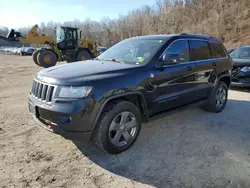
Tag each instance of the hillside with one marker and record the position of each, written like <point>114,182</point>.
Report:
<point>228,20</point>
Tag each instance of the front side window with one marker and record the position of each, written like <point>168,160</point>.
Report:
<point>199,50</point>
<point>241,53</point>
<point>60,35</point>
<point>177,51</point>
<point>133,51</point>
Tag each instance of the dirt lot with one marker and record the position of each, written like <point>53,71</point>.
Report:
<point>189,149</point>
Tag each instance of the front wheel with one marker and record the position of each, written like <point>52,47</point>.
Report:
<point>46,58</point>
<point>34,56</point>
<point>118,127</point>
<point>218,98</point>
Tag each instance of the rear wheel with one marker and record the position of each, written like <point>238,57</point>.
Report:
<point>83,55</point>
<point>118,127</point>
<point>218,98</point>
<point>47,58</point>
<point>34,56</point>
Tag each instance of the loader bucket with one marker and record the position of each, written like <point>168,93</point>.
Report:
<point>13,34</point>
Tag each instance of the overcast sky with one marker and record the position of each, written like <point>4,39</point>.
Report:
<point>20,13</point>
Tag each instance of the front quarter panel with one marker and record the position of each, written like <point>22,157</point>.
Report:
<point>133,83</point>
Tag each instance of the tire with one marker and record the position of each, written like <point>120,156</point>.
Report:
<point>47,58</point>
<point>107,133</point>
<point>212,103</point>
<point>34,56</point>
<point>83,55</point>
<point>69,59</point>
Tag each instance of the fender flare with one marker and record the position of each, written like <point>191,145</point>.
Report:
<point>220,77</point>
<point>225,75</point>
<point>142,98</point>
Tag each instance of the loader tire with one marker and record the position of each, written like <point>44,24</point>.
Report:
<point>34,56</point>
<point>83,55</point>
<point>47,58</point>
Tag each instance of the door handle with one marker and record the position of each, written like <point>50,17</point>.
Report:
<point>190,68</point>
<point>214,64</point>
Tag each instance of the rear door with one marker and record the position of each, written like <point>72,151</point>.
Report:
<point>205,66</point>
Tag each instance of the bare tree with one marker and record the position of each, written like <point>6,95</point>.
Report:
<point>226,19</point>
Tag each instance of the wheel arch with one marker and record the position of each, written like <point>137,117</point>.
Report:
<point>227,79</point>
<point>135,97</point>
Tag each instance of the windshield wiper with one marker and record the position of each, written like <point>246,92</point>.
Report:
<point>114,60</point>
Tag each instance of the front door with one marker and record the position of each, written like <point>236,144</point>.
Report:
<point>71,38</point>
<point>173,82</point>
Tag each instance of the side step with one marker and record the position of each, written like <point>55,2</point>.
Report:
<point>178,109</point>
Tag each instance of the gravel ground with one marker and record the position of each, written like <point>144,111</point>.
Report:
<point>192,148</point>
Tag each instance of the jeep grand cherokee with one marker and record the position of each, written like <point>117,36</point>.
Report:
<point>106,99</point>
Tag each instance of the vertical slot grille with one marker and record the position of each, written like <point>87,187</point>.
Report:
<point>42,91</point>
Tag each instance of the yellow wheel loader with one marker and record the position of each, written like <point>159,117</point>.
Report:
<point>69,46</point>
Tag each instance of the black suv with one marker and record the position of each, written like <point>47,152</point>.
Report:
<point>107,98</point>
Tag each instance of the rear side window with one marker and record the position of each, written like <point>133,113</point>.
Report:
<point>216,50</point>
<point>199,50</point>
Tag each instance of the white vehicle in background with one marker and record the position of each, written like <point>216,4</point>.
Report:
<point>13,50</point>
<point>27,51</point>
<point>18,51</point>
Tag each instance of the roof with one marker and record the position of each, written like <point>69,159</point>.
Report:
<point>67,27</point>
<point>182,35</point>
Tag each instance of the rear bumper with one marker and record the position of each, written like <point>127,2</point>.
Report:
<point>57,129</point>
<point>240,84</point>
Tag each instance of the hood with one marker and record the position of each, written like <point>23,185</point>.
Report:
<point>72,73</point>
<point>241,62</point>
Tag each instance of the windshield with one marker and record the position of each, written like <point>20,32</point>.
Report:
<point>60,35</point>
<point>241,53</point>
<point>134,51</point>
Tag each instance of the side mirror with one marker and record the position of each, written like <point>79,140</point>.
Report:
<point>170,59</point>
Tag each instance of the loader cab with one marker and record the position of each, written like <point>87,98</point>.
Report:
<point>66,38</point>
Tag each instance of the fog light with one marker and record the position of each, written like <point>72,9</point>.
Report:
<point>65,119</point>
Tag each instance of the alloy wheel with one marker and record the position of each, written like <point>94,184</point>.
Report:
<point>221,97</point>
<point>123,128</point>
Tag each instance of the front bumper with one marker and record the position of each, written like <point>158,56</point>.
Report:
<point>57,129</point>
<point>64,119</point>
<point>240,83</point>
<point>240,78</point>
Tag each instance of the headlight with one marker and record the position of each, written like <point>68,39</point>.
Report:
<point>74,92</point>
<point>245,69</point>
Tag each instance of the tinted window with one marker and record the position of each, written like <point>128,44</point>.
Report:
<point>179,48</point>
<point>216,50</point>
<point>133,51</point>
<point>241,53</point>
<point>199,50</point>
